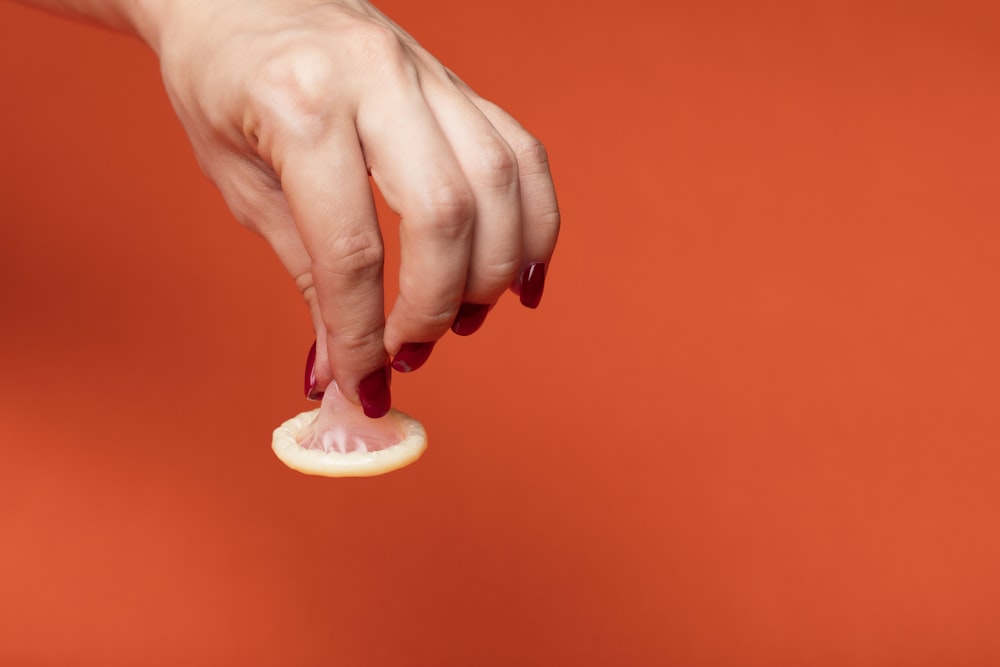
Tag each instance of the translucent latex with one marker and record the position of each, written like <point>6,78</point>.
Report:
<point>339,440</point>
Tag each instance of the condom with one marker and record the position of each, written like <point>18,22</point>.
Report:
<point>338,440</point>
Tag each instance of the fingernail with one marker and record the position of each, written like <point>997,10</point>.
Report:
<point>532,284</point>
<point>470,317</point>
<point>412,356</point>
<point>311,393</point>
<point>373,391</point>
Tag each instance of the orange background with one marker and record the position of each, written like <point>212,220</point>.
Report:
<point>754,422</point>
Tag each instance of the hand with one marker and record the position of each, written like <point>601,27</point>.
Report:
<point>292,105</point>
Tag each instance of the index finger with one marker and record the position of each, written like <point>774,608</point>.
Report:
<point>327,188</point>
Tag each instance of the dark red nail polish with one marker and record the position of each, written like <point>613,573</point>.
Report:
<point>373,391</point>
<point>470,317</point>
<point>532,284</point>
<point>311,392</point>
<point>412,356</point>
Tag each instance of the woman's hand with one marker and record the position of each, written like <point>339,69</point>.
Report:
<point>291,105</point>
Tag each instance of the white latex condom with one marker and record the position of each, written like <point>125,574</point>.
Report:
<point>338,440</point>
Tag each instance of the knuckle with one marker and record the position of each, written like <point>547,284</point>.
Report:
<point>531,154</point>
<point>379,38</point>
<point>353,254</point>
<point>307,288</point>
<point>548,220</point>
<point>496,165</point>
<point>293,85</point>
<point>378,44</point>
<point>447,212</point>
<point>488,280</point>
<point>500,272</point>
<point>358,344</point>
<point>433,315</point>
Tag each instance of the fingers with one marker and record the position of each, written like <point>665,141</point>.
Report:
<point>336,95</point>
<point>491,168</point>
<point>327,189</point>
<point>478,216</point>
<point>413,163</point>
<point>538,206</point>
<point>256,199</point>
<point>464,157</point>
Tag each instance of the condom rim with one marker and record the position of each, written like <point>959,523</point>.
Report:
<point>285,445</point>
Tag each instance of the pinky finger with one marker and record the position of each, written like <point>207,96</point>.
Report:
<point>539,206</point>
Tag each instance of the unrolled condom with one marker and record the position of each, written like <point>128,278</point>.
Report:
<point>338,440</point>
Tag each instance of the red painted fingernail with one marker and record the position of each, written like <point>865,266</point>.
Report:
<point>311,392</point>
<point>470,317</point>
<point>412,356</point>
<point>373,391</point>
<point>532,284</point>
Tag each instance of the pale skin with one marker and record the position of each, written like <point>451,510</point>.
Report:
<point>291,105</point>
